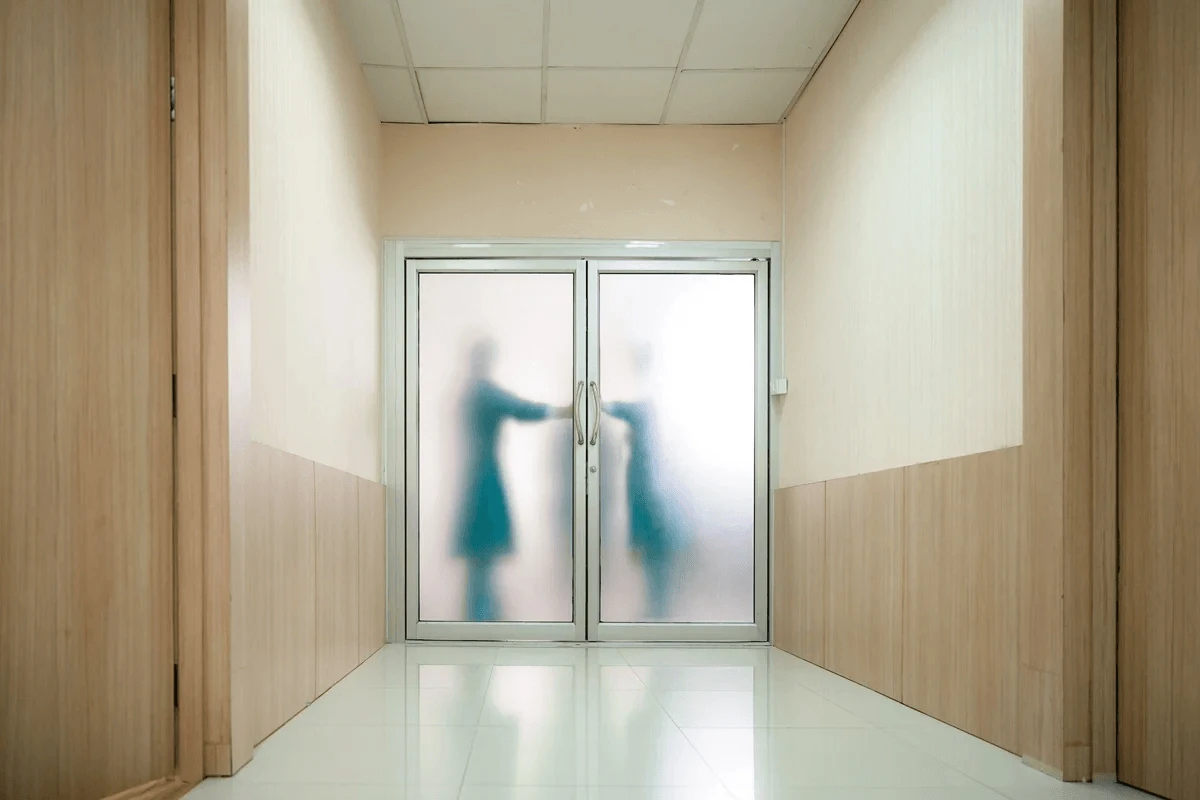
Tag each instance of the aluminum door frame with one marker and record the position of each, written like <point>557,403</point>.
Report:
<point>417,629</point>
<point>756,631</point>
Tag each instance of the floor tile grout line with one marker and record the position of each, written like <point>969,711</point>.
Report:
<point>475,728</point>
<point>955,768</point>
<point>728,789</point>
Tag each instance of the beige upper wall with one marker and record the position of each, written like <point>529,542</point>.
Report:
<point>588,182</point>
<point>903,242</point>
<point>314,166</point>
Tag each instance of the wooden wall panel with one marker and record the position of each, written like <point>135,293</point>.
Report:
<point>315,540</point>
<point>1181,363</point>
<point>237,239</point>
<point>960,607</point>
<point>189,452</point>
<point>214,291</point>
<point>337,591</point>
<point>1077,155</point>
<point>372,572</point>
<point>1041,546</point>
<point>1159,424</point>
<point>1104,389</point>
<point>86,495</point>
<point>799,603</point>
<point>281,591</point>
<point>864,553</point>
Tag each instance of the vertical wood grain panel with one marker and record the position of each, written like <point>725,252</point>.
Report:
<point>281,596</point>
<point>215,387</point>
<point>237,197</point>
<point>1077,532</point>
<point>799,603</point>
<point>372,600</point>
<point>960,608</point>
<point>86,495</point>
<point>1039,718</point>
<point>1041,546</point>
<point>225,378</point>
<point>864,551</point>
<point>1149,443</point>
<point>1104,388</point>
<point>1185,278</point>
<point>337,575</point>
<point>1159,424</point>
<point>189,454</point>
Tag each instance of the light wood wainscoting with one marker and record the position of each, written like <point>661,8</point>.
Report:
<point>314,581</point>
<point>916,570</point>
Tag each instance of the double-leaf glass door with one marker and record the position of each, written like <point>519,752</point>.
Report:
<point>586,449</point>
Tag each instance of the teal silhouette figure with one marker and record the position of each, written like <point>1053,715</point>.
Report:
<point>654,524</point>
<point>485,530</point>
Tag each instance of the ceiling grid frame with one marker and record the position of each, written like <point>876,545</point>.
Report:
<point>408,60</point>
<point>687,44</point>
<point>672,62</point>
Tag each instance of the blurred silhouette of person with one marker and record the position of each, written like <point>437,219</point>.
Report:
<point>564,490</point>
<point>654,534</point>
<point>485,524</point>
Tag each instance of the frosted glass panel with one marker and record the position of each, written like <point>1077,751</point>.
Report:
<point>495,374</point>
<point>677,355</point>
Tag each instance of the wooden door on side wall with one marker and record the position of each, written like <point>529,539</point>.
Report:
<point>1159,396</point>
<point>86,494</point>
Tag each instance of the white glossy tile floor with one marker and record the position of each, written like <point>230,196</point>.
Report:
<point>601,723</point>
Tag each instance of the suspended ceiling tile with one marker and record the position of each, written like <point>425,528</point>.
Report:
<point>630,96</point>
<point>618,33</point>
<point>473,33</point>
<point>733,97</point>
<point>482,95</point>
<point>371,25</point>
<point>755,34</point>
<point>395,100</point>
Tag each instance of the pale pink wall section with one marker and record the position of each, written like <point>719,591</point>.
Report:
<point>586,182</point>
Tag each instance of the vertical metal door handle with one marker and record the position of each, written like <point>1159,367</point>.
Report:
<point>578,424</point>
<point>596,424</point>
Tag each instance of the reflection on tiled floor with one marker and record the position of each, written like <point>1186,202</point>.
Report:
<point>601,723</point>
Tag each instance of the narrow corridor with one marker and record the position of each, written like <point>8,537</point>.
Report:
<point>601,723</point>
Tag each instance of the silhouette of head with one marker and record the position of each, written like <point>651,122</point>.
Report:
<point>483,357</point>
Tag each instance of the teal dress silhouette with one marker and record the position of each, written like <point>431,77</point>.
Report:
<point>485,523</point>
<point>653,526</point>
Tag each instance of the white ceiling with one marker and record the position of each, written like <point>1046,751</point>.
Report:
<point>616,61</point>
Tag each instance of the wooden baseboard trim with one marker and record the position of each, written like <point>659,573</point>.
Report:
<point>1032,762</point>
<point>161,789</point>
